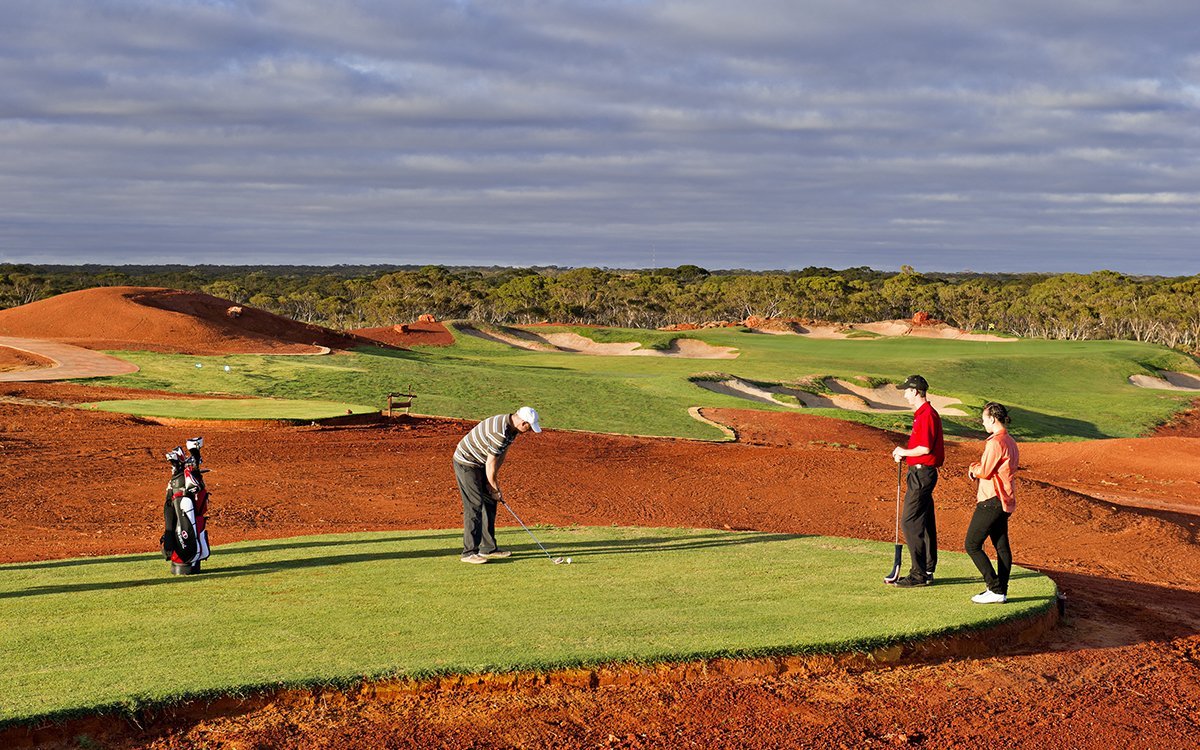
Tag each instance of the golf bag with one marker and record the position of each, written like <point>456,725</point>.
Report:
<point>185,536</point>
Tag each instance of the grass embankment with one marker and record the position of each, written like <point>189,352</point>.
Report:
<point>1055,389</point>
<point>225,408</point>
<point>120,632</point>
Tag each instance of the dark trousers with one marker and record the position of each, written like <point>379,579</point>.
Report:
<point>919,522</point>
<point>990,521</point>
<point>479,509</point>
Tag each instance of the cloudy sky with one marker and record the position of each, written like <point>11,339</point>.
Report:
<point>948,135</point>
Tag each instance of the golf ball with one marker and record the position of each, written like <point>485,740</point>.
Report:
<point>568,561</point>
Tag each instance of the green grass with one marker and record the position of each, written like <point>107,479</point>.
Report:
<point>115,633</point>
<point>1055,390</point>
<point>224,408</point>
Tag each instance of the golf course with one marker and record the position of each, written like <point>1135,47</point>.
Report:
<point>1056,390</point>
<point>723,496</point>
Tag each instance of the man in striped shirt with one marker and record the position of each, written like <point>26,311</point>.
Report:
<point>477,461</point>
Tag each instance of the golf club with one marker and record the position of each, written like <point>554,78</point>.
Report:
<point>555,560</point>
<point>895,574</point>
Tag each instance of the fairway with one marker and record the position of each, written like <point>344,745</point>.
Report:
<point>115,633</point>
<point>1055,390</point>
<point>232,408</point>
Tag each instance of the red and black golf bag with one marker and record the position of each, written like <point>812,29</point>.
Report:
<point>185,538</point>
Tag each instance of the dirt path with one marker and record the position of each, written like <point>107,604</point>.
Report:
<point>69,361</point>
<point>1120,673</point>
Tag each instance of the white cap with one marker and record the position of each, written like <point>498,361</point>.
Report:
<point>528,414</point>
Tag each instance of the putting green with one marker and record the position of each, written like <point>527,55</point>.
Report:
<point>115,633</point>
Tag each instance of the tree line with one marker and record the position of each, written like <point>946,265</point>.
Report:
<point>1099,305</point>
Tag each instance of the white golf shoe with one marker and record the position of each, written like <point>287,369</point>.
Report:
<point>989,597</point>
<point>474,559</point>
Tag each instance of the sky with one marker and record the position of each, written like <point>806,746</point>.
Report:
<point>948,135</point>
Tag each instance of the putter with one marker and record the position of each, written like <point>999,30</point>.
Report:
<point>555,560</point>
<point>895,574</point>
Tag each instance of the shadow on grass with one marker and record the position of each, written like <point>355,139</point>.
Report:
<point>1037,425</point>
<point>649,545</point>
<point>641,545</point>
<point>939,581</point>
<point>222,551</point>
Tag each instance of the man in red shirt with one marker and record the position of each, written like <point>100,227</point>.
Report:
<point>925,452</point>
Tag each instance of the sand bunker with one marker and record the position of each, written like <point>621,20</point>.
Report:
<point>1167,380</point>
<point>567,341</point>
<point>879,328</point>
<point>166,320</point>
<point>844,395</point>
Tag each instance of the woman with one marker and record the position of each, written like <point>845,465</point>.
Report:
<point>994,504</point>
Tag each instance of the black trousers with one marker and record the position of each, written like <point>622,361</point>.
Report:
<point>479,509</point>
<point>919,522</point>
<point>990,522</point>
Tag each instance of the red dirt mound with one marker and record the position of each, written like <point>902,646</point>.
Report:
<point>165,320</point>
<point>421,333</point>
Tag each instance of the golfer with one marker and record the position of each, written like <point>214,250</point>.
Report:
<point>994,504</point>
<point>477,461</point>
<point>925,452</point>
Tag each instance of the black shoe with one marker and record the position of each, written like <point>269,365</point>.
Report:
<point>908,582</point>
<point>929,578</point>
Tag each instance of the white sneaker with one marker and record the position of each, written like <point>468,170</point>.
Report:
<point>989,597</point>
<point>474,558</point>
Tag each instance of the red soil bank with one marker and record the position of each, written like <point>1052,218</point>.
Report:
<point>165,320</point>
<point>409,334</point>
<point>1120,673</point>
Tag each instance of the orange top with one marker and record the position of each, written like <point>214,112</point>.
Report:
<point>997,469</point>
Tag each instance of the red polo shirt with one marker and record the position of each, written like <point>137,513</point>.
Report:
<point>927,431</point>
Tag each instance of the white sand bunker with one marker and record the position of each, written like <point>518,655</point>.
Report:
<point>843,395</point>
<point>566,341</point>
<point>882,328</point>
<point>1167,380</point>
<point>510,336</point>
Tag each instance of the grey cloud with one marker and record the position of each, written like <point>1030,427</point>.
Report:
<point>760,134</point>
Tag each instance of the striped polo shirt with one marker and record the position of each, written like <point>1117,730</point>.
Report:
<point>491,437</point>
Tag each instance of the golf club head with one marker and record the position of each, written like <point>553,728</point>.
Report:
<point>562,561</point>
<point>895,574</point>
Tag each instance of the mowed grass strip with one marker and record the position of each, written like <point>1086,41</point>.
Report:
<point>232,408</point>
<point>115,633</point>
<point>1055,390</point>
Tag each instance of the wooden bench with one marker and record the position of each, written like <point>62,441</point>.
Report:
<point>400,401</point>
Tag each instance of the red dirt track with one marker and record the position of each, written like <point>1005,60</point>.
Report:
<point>15,359</point>
<point>1122,671</point>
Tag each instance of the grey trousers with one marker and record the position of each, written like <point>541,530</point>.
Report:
<point>919,521</point>
<point>479,510</point>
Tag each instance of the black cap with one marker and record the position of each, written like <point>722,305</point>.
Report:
<point>915,381</point>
